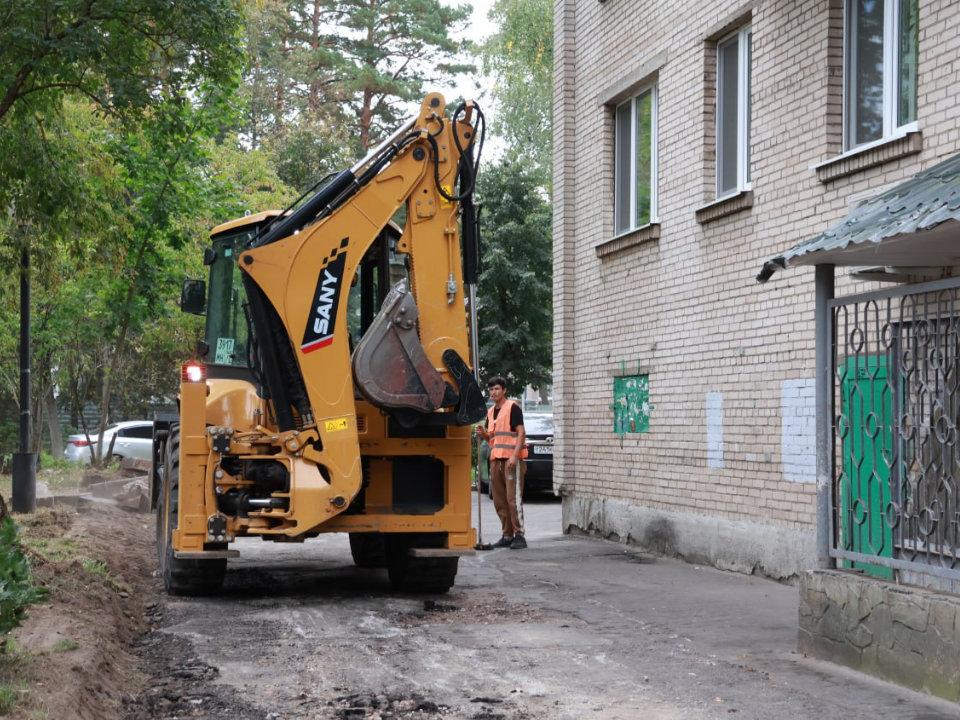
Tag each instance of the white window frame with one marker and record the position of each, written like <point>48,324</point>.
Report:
<point>632,170</point>
<point>744,38</point>
<point>891,77</point>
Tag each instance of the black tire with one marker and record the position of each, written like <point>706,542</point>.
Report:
<point>181,577</point>
<point>410,574</point>
<point>368,550</point>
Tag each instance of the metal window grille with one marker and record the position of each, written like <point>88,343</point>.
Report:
<point>895,403</point>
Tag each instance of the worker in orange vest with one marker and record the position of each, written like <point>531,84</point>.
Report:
<point>508,448</point>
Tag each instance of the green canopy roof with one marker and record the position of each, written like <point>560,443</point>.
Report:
<point>915,224</point>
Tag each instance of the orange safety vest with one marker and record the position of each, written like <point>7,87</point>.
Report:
<point>504,441</point>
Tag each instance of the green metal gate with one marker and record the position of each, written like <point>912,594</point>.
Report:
<point>866,432</point>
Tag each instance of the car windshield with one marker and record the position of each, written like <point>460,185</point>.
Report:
<point>538,424</point>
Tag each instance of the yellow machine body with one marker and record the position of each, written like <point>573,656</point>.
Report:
<point>344,464</point>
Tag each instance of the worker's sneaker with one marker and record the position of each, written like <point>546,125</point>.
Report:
<point>504,542</point>
<point>518,543</point>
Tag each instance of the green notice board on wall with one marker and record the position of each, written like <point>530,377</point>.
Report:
<point>631,404</point>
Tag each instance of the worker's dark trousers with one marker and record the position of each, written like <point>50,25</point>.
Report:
<point>508,495</point>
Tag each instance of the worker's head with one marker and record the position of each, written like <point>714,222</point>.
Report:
<point>497,387</point>
<point>497,380</point>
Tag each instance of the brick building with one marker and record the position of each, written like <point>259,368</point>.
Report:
<point>693,141</point>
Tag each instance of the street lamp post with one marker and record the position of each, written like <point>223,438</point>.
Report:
<point>25,462</point>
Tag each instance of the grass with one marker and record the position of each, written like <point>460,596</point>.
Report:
<point>8,699</point>
<point>65,645</point>
<point>58,558</point>
<point>15,668</point>
<point>57,474</point>
<point>98,568</point>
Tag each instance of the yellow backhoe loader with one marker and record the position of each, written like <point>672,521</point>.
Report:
<point>334,390</point>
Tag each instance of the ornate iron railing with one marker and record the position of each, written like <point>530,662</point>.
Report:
<point>896,450</point>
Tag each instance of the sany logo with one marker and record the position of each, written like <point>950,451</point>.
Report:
<point>322,322</point>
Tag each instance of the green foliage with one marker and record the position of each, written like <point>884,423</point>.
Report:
<point>104,113</point>
<point>515,289</point>
<point>50,463</point>
<point>16,591</point>
<point>519,56</point>
<point>309,151</point>
<point>126,55</point>
<point>9,429</point>
<point>252,181</point>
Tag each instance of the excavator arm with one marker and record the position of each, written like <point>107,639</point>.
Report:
<point>412,362</point>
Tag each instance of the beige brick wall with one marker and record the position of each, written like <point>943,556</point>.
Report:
<point>686,306</point>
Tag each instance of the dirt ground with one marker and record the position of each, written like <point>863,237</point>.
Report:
<point>96,650</point>
<point>78,648</point>
<point>571,628</point>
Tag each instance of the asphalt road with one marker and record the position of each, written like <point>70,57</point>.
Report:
<point>569,628</point>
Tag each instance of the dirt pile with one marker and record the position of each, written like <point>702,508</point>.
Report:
<point>76,648</point>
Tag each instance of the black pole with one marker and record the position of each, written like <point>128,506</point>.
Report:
<point>25,462</point>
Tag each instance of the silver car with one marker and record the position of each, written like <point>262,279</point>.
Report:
<point>134,439</point>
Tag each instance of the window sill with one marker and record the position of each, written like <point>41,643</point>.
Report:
<point>725,206</point>
<point>632,238</point>
<point>862,158</point>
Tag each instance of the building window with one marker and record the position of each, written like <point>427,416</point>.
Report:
<point>880,68</point>
<point>635,175</point>
<point>733,113</point>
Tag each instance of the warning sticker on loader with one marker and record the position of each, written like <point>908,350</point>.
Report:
<point>335,425</point>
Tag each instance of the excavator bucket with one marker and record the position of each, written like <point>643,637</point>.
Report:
<point>390,368</point>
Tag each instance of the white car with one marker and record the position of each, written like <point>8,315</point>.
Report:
<point>134,439</point>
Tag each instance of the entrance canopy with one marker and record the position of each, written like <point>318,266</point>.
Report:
<point>913,225</point>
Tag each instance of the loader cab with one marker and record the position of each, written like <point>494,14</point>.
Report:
<point>227,331</point>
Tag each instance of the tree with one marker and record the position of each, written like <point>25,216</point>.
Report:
<point>59,191</point>
<point>160,73</point>
<point>394,47</point>
<point>519,56</point>
<point>305,153</point>
<point>515,289</point>
<point>115,52</point>
<point>295,63</point>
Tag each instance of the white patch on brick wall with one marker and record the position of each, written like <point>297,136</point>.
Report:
<point>715,430</point>
<point>798,430</point>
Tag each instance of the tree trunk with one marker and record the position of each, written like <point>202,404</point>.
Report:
<point>366,119</point>
<point>314,100</point>
<point>36,439</point>
<point>53,422</point>
<point>366,111</point>
<point>280,89</point>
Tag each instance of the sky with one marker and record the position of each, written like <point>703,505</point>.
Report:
<point>471,86</point>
